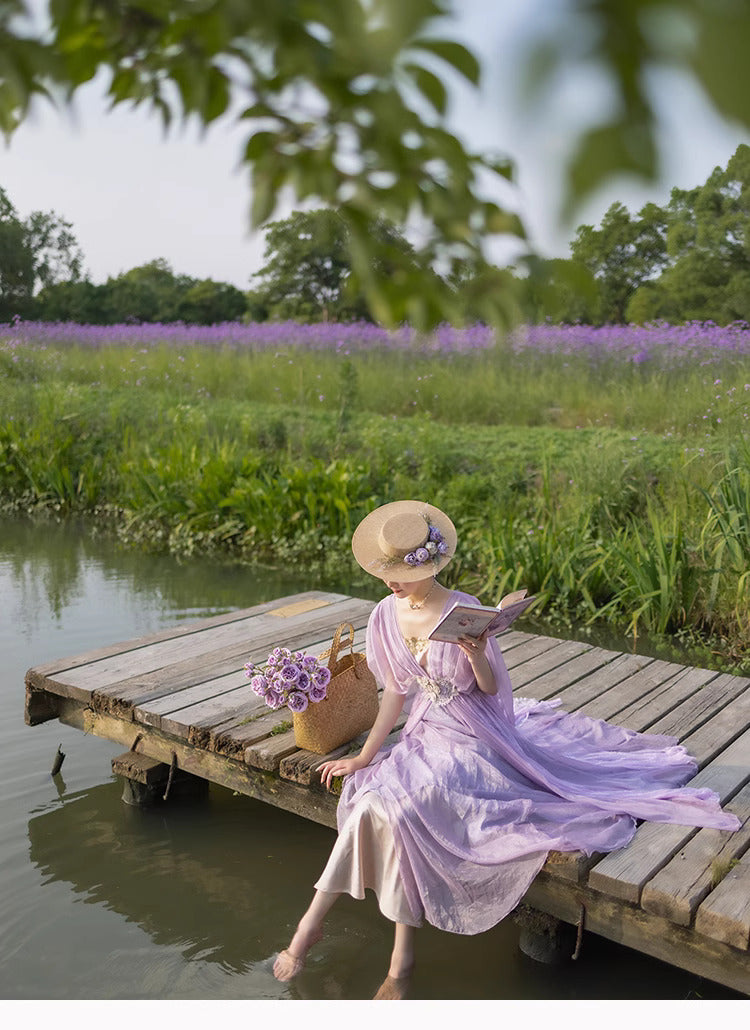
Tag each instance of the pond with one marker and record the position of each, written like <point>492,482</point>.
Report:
<point>99,900</point>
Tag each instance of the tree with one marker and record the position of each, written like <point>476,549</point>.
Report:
<point>16,262</point>
<point>621,254</point>
<point>708,245</point>
<point>346,102</point>
<point>309,271</point>
<point>57,256</point>
<point>208,302</point>
<point>147,293</point>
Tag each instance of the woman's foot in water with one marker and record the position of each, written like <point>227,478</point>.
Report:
<point>290,962</point>
<point>396,985</point>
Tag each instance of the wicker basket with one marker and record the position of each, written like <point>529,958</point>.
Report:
<point>351,705</point>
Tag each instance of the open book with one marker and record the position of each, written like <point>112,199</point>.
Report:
<point>472,620</point>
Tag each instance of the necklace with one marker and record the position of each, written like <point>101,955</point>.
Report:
<point>420,604</point>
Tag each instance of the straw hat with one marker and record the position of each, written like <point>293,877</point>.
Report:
<point>404,541</point>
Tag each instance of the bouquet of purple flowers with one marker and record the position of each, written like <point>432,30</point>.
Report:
<point>289,678</point>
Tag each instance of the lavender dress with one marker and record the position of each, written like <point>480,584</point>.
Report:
<point>452,823</point>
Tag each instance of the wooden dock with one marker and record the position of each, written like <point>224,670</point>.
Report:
<point>676,893</point>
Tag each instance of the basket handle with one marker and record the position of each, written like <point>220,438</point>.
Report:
<point>333,650</point>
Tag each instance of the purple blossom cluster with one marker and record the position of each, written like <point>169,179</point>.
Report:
<point>290,678</point>
<point>638,344</point>
<point>434,547</point>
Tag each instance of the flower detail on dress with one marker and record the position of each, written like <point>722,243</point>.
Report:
<point>440,691</point>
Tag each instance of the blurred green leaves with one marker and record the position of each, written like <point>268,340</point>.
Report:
<point>346,101</point>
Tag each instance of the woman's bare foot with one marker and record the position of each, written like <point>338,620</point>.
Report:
<point>393,988</point>
<point>290,962</point>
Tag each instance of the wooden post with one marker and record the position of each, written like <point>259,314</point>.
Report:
<point>147,781</point>
<point>543,937</point>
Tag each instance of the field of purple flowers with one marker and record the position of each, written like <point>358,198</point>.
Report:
<point>607,470</point>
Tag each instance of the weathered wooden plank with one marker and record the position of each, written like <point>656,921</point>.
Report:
<point>527,650</point>
<point>678,889</point>
<point>706,702</point>
<point>584,691</point>
<point>303,766</point>
<point>199,677</point>
<point>136,766</point>
<point>552,683</point>
<point>659,704</point>
<point>48,669</point>
<point>562,654</point>
<point>229,699</point>
<point>725,914</point>
<point>572,866</point>
<point>39,706</point>
<point>319,806</point>
<point>610,703</point>
<point>623,873</point>
<point>713,735</point>
<point>267,753</point>
<point>630,925</point>
<point>149,657</point>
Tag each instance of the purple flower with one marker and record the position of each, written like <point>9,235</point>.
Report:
<point>303,680</point>
<point>422,555</point>
<point>322,676</point>
<point>273,699</point>
<point>442,547</point>
<point>297,701</point>
<point>259,685</point>
<point>411,558</point>
<point>290,673</point>
<point>435,535</point>
<point>310,663</point>
<point>317,692</point>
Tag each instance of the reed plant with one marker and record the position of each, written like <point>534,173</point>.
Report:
<point>616,489</point>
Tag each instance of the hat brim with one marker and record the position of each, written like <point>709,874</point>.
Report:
<point>369,556</point>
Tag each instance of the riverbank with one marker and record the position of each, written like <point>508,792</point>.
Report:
<point>616,489</point>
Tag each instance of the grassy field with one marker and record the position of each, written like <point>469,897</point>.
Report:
<point>608,471</point>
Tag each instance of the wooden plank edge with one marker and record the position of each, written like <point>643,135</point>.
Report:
<point>122,646</point>
<point>264,786</point>
<point>626,924</point>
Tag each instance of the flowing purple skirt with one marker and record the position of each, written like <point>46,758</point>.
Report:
<point>452,826</point>
<point>452,823</point>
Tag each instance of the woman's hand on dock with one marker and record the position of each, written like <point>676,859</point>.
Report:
<point>340,767</point>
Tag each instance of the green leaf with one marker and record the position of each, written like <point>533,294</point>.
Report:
<point>455,54</point>
<point>430,86</point>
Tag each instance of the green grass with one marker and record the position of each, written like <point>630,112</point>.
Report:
<point>602,488</point>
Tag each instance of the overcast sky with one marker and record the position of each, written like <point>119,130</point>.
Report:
<point>134,194</point>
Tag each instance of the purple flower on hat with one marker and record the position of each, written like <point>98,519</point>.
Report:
<point>422,555</point>
<point>435,535</point>
<point>297,701</point>
<point>442,547</point>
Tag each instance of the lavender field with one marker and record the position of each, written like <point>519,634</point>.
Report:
<point>606,469</point>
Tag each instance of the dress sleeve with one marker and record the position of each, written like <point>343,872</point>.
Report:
<point>382,648</point>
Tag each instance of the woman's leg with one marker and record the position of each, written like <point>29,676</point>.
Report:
<point>290,961</point>
<point>396,984</point>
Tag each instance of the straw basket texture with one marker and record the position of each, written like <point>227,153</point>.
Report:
<point>351,705</point>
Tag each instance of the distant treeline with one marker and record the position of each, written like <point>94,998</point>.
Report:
<point>688,261</point>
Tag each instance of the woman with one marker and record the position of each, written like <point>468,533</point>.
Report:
<point>452,823</point>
